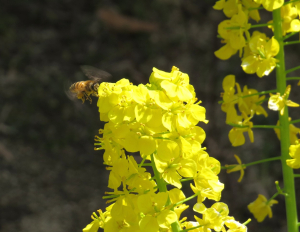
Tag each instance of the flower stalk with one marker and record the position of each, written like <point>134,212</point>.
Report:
<point>288,176</point>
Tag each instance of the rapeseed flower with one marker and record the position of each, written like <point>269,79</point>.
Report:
<point>270,5</point>
<point>260,59</point>
<point>290,21</point>
<point>158,120</point>
<point>295,154</point>
<point>294,131</point>
<point>232,31</point>
<point>278,102</point>
<point>236,167</point>
<point>261,207</point>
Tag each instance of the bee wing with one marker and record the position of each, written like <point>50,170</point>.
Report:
<point>68,92</point>
<point>94,73</point>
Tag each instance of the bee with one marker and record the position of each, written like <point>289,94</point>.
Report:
<point>85,89</point>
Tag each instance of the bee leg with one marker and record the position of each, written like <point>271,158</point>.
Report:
<point>88,97</point>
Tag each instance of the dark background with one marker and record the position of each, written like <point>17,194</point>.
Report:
<point>51,179</point>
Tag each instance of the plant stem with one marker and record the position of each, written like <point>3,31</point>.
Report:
<point>163,188</point>
<point>275,195</point>
<point>261,25</point>
<point>255,162</point>
<point>292,78</point>
<point>255,126</point>
<point>291,42</point>
<point>253,94</point>
<point>263,161</point>
<point>288,175</point>
<point>292,69</point>
<point>294,121</point>
<point>290,35</point>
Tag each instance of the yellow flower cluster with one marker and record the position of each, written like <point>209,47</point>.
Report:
<point>158,120</point>
<point>290,21</point>
<point>257,51</point>
<point>248,102</point>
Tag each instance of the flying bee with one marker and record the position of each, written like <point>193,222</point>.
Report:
<point>85,89</point>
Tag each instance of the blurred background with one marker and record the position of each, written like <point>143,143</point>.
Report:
<point>51,179</point>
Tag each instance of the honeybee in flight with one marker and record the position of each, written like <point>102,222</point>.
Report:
<point>84,89</point>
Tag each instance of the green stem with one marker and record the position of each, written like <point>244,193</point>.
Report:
<point>141,164</point>
<point>263,161</point>
<point>288,175</point>
<point>292,69</point>
<point>258,103</point>
<point>162,186</point>
<point>296,175</point>
<point>253,94</point>
<point>186,179</point>
<point>291,42</point>
<point>266,126</point>
<point>255,126</point>
<point>290,35</point>
<point>275,195</point>
<point>146,164</point>
<point>255,162</point>
<point>259,93</point>
<point>294,121</point>
<point>261,25</point>
<point>292,78</point>
<point>252,26</point>
<point>187,199</point>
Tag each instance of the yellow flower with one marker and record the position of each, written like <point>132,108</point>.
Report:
<point>290,23</point>
<point>156,216</point>
<point>237,167</point>
<point>278,102</point>
<point>235,226</point>
<point>92,227</point>
<point>294,131</point>
<point>251,103</point>
<point>229,96</point>
<point>295,154</point>
<point>254,14</point>
<point>212,218</point>
<point>225,52</point>
<point>270,5</point>
<point>261,207</point>
<point>230,8</point>
<point>98,221</point>
<point>260,59</point>
<point>175,84</point>
<point>236,134</point>
<point>239,24</point>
